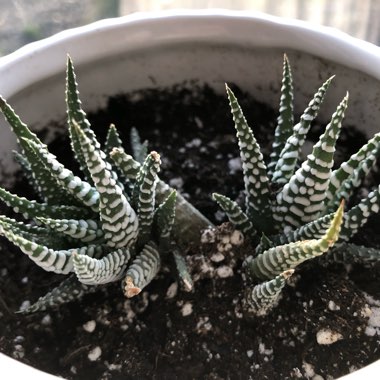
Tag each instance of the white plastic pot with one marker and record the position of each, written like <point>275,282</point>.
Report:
<point>159,49</point>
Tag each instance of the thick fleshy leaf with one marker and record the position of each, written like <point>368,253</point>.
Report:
<point>351,173</point>
<point>264,297</point>
<point>35,234</point>
<point>113,140</point>
<point>183,272</point>
<point>110,268</point>
<point>144,195</point>
<point>346,253</point>
<point>358,215</point>
<point>257,192</point>
<point>285,120</point>
<point>235,214</point>
<point>303,198</point>
<point>47,186</point>
<point>289,156</point>
<point>32,209</point>
<point>68,290</point>
<point>140,150</point>
<point>118,219</point>
<point>281,258</point>
<point>163,220</point>
<point>57,261</point>
<point>142,271</point>
<point>81,190</point>
<point>83,230</point>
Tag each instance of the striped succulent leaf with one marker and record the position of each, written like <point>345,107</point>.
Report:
<point>235,214</point>
<point>113,140</point>
<point>68,290</point>
<point>81,190</point>
<point>142,271</point>
<point>302,199</point>
<point>352,253</point>
<point>32,209</point>
<point>83,230</point>
<point>262,298</point>
<point>256,182</point>
<point>47,187</point>
<point>143,196</point>
<point>351,173</point>
<point>139,149</point>
<point>278,259</point>
<point>358,215</point>
<point>285,120</point>
<point>57,261</point>
<point>118,219</point>
<point>289,156</point>
<point>110,268</point>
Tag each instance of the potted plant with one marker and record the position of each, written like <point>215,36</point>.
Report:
<point>161,60</point>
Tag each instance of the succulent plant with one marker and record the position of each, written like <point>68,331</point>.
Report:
<point>116,224</point>
<point>294,210</point>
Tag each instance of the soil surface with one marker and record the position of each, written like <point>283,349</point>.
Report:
<point>165,333</point>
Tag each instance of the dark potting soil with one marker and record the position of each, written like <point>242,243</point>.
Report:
<point>165,333</point>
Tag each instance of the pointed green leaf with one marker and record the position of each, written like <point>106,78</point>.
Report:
<point>258,202</point>
<point>235,214</point>
<point>358,215</point>
<point>91,271</point>
<point>303,198</point>
<point>142,271</point>
<point>183,272</point>
<point>32,209</point>
<point>140,150</point>
<point>58,261</point>
<point>113,140</point>
<point>289,156</point>
<point>283,257</point>
<point>351,173</point>
<point>144,195</point>
<point>346,253</point>
<point>118,219</point>
<point>81,190</point>
<point>265,296</point>
<point>285,120</point>
<point>83,230</point>
<point>68,290</point>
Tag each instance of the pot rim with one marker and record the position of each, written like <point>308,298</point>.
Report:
<point>143,30</point>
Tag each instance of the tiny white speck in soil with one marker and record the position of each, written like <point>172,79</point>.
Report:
<point>46,320</point>
<point>89,326</point>
<point>250,353</point>
<point>187,309</point>
<point>172,290</point>
<point>95,354</point>
<point>327,336</point>
<point>224,272</point>
<point>25,304</point>
<point>24,280</point>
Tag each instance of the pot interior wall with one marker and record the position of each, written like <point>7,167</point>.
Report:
<point>257,71</point>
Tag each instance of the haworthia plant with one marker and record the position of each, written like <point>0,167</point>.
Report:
<point>293,210</point>
<point>115,224</point>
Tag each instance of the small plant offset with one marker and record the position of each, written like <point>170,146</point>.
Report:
<point>294,211</point>
<point>115,225</point>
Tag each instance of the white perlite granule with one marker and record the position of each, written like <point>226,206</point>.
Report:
<point>234,164</point>
<point>327,336</point>
<point>187,309</point>
<point>172,290</point>
<point>95,353</point>
<point>224,272</point>
<point>373,327</point>
<point>89,326</point>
